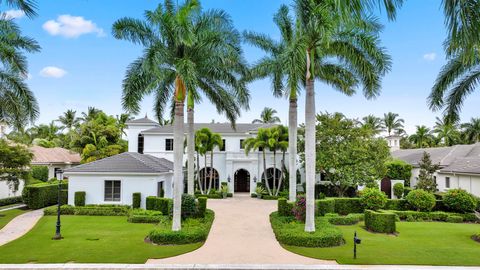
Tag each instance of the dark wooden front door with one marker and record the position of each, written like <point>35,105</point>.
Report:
<point>242,181</point>
<point>386,186</point>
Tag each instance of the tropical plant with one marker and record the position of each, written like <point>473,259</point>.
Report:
<point>68,120</point>
<point>285,65</point>
<point>426,180</point>
<point>373,124</point>
<point>90,114</point>
<point>122,122</point>
<point>422,137</point>
<point>260,143</point>
<point>207,141</point>
<point>278,141</point>
<point>185,49</point>
<point>267,117</point>
<point>341,50</point>
<point>392,123</point>
<point>471,130</point>
<point>446,132</point>
<point>14,163</point>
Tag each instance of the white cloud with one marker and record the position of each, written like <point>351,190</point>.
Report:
<point>71,27</point>
<point>13,14</point>
<point>52,72</point>
<point>430,56</point>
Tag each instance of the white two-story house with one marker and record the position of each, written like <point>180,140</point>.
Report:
<point>230,163</point>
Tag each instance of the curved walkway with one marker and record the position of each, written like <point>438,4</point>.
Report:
<point>19,226</point>
<point>241,234</point>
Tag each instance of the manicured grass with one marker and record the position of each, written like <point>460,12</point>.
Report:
<point>8,215</point>
<point>88,239</point>
<point>418,243</point>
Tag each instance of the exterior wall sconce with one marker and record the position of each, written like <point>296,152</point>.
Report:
<point>228,178</point>
<point>255,179</point>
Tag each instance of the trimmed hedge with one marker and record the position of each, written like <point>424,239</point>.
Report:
<point>11,200</point>
<point>202,206</point>
<point>325,206</point>
<point>64,210</point>
<point>349,219</point>
<point>284,207</point>
<point>454,219</point>
<point>381,222</point>
<point>80,198</point>
<point>397,204</point>
<point>288,231</point>
<point>145,216</point>
<point>40,173</point>
<point>345,206</point>
<point>159,204</point>
<point>40,195</point>
<point>136,200</point>
<point>193,230</point>
<point>89,210</point>
<point>415,216</point>
<point>211,195</point>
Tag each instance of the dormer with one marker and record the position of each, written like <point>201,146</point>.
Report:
<point>134,129</point>
<point>393,142</point>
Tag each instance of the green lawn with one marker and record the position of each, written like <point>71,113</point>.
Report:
<point>418,243</point>
<point>88,239</point>
<point>6,216</point>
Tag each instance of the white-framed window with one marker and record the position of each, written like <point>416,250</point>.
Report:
<point>112,190</point>
<point>241,144</point>
<point>447,182</point>
<point>223,146</point>
<point>140,143</point>
<point>168,144</point>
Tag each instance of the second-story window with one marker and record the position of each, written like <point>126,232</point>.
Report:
<point>447,182</point>
<point>140,143</point>
<point>223,146</point>
<point>241,144</point>
<point>168,144</point>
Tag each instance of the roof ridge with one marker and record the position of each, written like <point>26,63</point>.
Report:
<point>142,161</point>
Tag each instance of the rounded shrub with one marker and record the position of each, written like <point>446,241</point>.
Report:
<point>459,200</point>
<point>189,206</point>
<point>373,199</point>
<point>79,198</point>
<point>398,190</point>
<point>421,200</point>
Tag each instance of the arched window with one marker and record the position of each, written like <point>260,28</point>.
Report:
<point>140,144</point>
<point>270,177</point>
<point>205,175</point>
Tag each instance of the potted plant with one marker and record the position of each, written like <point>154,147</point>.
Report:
<point>259,191</point>
<point>224,190</point>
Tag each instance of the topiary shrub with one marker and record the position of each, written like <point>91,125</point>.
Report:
<point>459,200</point>
<point>381,222</point>
<point>373,199</point>
<point>421,200</point>
<point>300,208</point>
<point>79,199</point>
<point>202,206</point>
<point>325,206</point>
<point>136,200</point>
<point>284,207</point>
<point>189,207</point>
<point>398,190</point>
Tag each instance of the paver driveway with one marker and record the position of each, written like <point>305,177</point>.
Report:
<point>241,234</point>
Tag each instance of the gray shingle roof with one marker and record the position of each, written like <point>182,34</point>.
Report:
<point>144,120</point>
<point>464,165</point>
<point>214,127</point>
<point>128,162</point>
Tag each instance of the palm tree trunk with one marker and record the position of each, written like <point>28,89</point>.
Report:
<point>190,149</point>
<point>275,171</point>
<point>178,140</point>
<point>265,172</point>
<point>310,147</point>
<point>211,172</point>
<point>281,174</point>
<point>198,174</point>
<point>205,174</point>
<point>292,145</point>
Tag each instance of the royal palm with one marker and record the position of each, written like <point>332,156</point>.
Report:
<point>187,52</point>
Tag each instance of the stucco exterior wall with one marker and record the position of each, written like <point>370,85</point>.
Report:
<point>94,184</point>
<point>6,191</point>
<point>470,183</point>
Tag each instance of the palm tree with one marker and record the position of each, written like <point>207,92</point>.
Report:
<point>18,105</point>
<point>267,117</point>
<point>27,6</point>
<point>278,142</point>
<point>207,141</point>
<point>283,65</point>
<point>471,130</point>
<point>446,131</point>
<point>187,52</point>
<point>90,114</point>
<point>122,122</point>
<point>392,123</point>
<point>260,143</point>
<point>68,120</point>
<point>422,137</point>
<point>341,50</point>
<point>373,124</point>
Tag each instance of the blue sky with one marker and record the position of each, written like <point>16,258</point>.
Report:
<point>82,65</point>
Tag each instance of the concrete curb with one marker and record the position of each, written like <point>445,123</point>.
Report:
<point>223,267</point>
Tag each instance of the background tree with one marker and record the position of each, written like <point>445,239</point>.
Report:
<point>446,132</point>
<point>471,130</point>
<point>90,114</point>
<point>392,123</point>
<point>278,142</point>
<point>122,122</point>
<point>260,143</point>
<point>372,123</point>
<point>422,137</point>
<point>68,120</point>
<point>14,163</point>
<point>426,180</point>
<point>267,117</point>
<point>207,141</point>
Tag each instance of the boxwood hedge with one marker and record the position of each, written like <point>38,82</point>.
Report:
<point>40,195</point>
<point>381,222</point>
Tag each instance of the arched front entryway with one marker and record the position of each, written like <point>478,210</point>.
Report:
<point>209,172</point>
<point>242,181</point>
<point>278,174</point>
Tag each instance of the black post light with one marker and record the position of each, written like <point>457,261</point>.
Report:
<point>58,235</point>
<point>356,241</point>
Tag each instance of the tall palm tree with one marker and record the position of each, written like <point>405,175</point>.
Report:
<point>186,50</point>
<point>260,142</point>
<point>392,123</point>
<point>122,122</point>
<point>90,114</point>
<point>373,124</point>
<point>283,64</point>
<point>29,7</point>
<point>68,119</point>
<point>471,130</point>
<point>18,105</point>
<point>343,51</point>
<point>267,116</point>
<point>422,137</point>
<point>446,131</point>
<point>278,142</point>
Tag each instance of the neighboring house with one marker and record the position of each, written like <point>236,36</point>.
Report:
<point>54,158</point>
<point>114,179</point>
<point>230,164</point>
<point>459,166</point>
